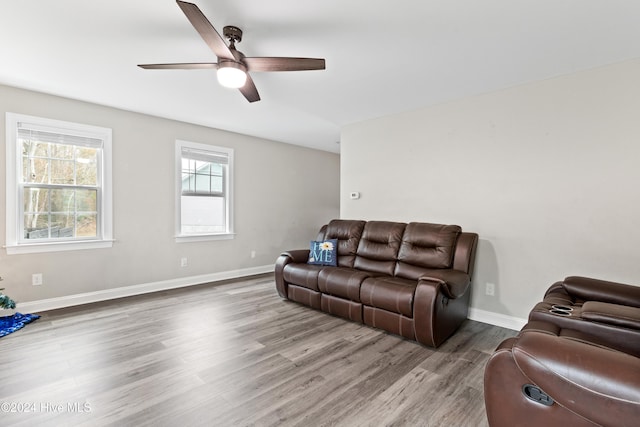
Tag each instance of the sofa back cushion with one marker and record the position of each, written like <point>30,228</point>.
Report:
<point>348,233</point>
<point>426,246</point>
<point>379,245</point>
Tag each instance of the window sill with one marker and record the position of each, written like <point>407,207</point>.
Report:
<point>33,248</point>
<point>186,238</point>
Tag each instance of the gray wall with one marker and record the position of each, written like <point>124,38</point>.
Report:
<point>547,173</point>
<point>279,203</point>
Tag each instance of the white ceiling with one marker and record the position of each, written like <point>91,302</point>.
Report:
<point>383,56</point>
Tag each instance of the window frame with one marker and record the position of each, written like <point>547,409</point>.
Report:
<point>15,242</point>
<point>228,192</point>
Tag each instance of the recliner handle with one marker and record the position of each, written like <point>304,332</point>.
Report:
<point>535,394</point>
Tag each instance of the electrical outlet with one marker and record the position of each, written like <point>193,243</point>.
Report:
<point>253,254</point>
<point>490,289</point>
<point>36,279</point>
<point>184,262</point>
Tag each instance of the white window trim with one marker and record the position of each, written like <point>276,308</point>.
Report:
<point>13,246</point>
<point>186,238</point>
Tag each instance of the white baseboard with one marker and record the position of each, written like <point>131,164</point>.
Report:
<point>127,291</point>
<point>483,316</point>
<point>496,319</point>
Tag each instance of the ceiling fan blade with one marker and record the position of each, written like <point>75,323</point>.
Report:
<point>206,30</point>
<point>181,66</point>
<point>284,64</point>
<point>250,91</point>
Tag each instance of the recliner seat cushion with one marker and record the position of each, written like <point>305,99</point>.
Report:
<point>389,293</point>
<point>304,275</point>
<point>342,282</point>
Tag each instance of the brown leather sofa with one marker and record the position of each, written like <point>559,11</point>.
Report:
<point>410,279</point>
<point>575,363</point>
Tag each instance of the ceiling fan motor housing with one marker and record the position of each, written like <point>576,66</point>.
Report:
<point>232,33</point>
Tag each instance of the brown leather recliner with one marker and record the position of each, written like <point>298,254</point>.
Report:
<point>609,311</point>
<point>555,377</point>
<point>575,363</point>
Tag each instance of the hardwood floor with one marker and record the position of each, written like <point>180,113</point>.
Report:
<point>234,354</point>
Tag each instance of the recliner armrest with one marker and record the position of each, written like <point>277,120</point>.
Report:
<point>454,283</point>
<point>297,255</point>
<point>465,252</point>
<point>293,256</point>
<point>589,289</point>
<point>612,314</point>
<point>583,378</point>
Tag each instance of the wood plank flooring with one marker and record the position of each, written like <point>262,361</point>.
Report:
<point>234,354</point>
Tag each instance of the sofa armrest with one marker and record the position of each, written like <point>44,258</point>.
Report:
<point>612,314</point>
<point>293,256</point>
<point>465,252</point>
<point>589,289</point>
<point>583,378</point>
<point>297,255</point>
<point>453,283</point>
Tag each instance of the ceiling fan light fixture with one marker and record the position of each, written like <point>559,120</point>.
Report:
<point>232,74</point>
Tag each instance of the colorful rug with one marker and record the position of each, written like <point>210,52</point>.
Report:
<point>9,324</point>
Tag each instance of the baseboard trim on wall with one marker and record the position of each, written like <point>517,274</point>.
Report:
<point>483,316</point>
<point>127,291</point>
<point>496,319</point>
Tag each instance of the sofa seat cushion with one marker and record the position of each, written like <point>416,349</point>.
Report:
<point>342,282</point>
<point>390,293</point>
<point>304,275</point>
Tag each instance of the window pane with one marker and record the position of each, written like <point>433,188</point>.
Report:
<point>216,184</point>
<point>202,184</point>
<point>202,167</point>
<point>62,151</point>
<point>62,225</point>
<point>86,166</point>
<point>86,201</point>
<point>36,200</point>
<point>202,214</point>
<point>36,226</point>
<point>62,200</point>
<point>216,169</point>
<point>35,149</point>
<point>52,213</point>
<point>67,164</point>
<point>202,178</point>
<point>62,171</point>
<point>60,213</point>
<point>86,225</point>
<point>35,170</point>
<point>185,181</point>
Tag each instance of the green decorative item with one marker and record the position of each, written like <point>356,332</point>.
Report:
<point>5,301</point>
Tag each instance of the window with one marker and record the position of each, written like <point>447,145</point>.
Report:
<point>58,185</point>
<point>204,192</point>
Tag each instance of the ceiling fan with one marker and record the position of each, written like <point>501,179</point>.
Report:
<point>233,67</point>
